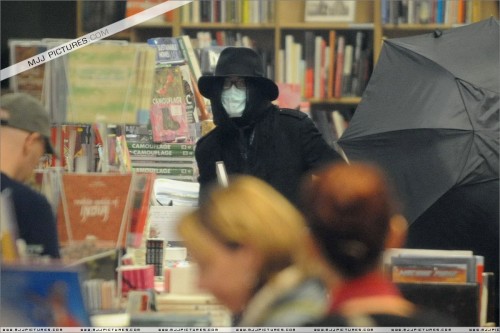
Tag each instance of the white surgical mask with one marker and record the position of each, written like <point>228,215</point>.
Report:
<point>234,101</point>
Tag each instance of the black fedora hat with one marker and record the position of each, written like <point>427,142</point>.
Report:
<point>242,62</point>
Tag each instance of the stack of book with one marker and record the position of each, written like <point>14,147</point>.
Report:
<point>448,281</point>
<point>195,305</point>
<point>166,160</point>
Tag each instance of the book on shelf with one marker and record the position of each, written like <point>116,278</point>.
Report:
<point>427,11</point>
<point>136,6</point>
<point>357,75</point>
<point>436,266</point>
<point>347,70</point>
<point>339,65</point>
<point>319,67</point>
<point>309,48</point>
<point>222,11</point>
<point>332,35</point>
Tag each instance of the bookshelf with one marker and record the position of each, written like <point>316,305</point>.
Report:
<point>286,17</point>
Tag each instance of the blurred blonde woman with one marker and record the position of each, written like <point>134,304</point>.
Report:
<point>251,246</point>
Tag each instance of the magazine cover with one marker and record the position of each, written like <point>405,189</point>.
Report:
<point>168,111</point>
<point>42,296</point>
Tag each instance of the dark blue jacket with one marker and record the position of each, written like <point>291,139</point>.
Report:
<point>35,220</point>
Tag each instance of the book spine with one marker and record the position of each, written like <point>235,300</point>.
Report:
<point>160,153</point>
<point>167,171</point>
<point>339,67</point>
<point>331,66</point>
<point>160,146</point>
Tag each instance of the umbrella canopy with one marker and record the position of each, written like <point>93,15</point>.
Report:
<point>430,113</point>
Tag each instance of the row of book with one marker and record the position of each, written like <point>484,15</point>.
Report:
<point>124,149</point>
<point>333,66</point>
<point>223,11</point>
<point>427,11</point>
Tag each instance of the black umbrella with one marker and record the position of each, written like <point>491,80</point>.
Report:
<point>430,113</point>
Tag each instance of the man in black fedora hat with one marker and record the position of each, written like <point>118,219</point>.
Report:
<point>252,135</point>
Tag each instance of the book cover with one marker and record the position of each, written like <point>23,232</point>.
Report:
<point>169,121</point>
<point>451,269</point>
<point>347,71</point>
<point>47,295</point>
<point>309,48</point>
<point>30,81</point>
<point>94,204</point>
<point>167,50</point>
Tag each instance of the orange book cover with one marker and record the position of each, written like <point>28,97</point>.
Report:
<point>94,204</point>
<point>461,11</point>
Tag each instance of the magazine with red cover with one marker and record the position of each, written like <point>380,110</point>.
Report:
<point>169,121</point>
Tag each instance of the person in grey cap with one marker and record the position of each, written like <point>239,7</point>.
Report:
<point>24,138</point>
<point>252,135</point>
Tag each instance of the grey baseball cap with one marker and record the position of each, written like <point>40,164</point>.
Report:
<point>25,112</point>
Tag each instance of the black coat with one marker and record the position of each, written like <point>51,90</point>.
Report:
<point>292,146</point>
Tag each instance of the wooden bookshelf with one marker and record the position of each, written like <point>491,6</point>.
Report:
<point>288,18</point>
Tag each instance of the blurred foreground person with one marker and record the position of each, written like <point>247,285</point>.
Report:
<point>24,138</point>
<point>251,247</point>
<point>351,213</point>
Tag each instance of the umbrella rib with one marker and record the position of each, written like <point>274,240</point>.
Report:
<point>401,48</point>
